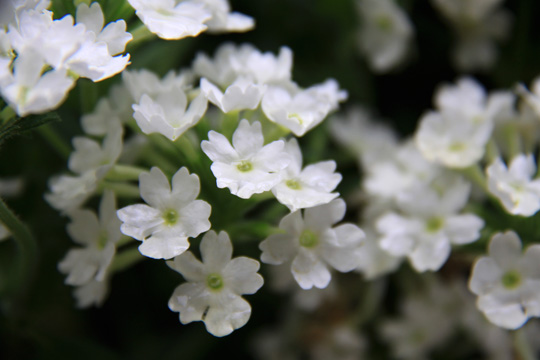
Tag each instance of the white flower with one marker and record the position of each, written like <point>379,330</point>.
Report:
<point>236,78</point>
<point>301,110</point>
<point>242,94</point>
<point>385,34</point>
<point>455,135</point>
<point>366,137</point>
<point>92,293</point>
<point>30,91</point>
<point>223,20</point>
<point>514,186</point>
<point>98,238</point>
<point>163,105</point>
<point>70,192</point>
<point>311,243</point>
<point>95,57</point>
<point>247,167</point>
<point>172,217</point>
<point>214,287</point>
<point>312,186</point>
<point>430,224</point>
<point>507,283</point>
<point>170,19</point>
<point>373,261</point>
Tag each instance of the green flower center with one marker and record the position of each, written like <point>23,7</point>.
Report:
<point>293,184</point>
<point>295,116</point>
<point>244,166</point>
<point>214,281</point>
<point>511,279</point>
<point>170,216</point>
<point>308,239</point>
<point>434,224</point>
<point>384,23</point>
<point>457,146</point>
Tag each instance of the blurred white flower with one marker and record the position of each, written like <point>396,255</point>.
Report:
<point>247,167</point>
<point>172,217</point>
<point>214,286</point>
<point>507,282</point>
<point>311,243</point>
<point>385,34</point>
<point>98,236</point>
<point>515,187</point>
<point>223,20</point>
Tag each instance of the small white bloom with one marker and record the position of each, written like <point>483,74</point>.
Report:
<point>170,19</point>
<point>223,20</point>
<point>172,217</point>
<point>92,293</point>
<point>385,34</point>
<point>214,286</point>
<point>301,110</point>
<point>242,94</point>
<point>430,224</point>
<point>507,283</point>
<point>98,237</point>
<point>373,261</point>
<point>70,192</point>
<point>304,188</point>
<point>30,91</point>
<point>514,186</point>
<point>311,243</point>
<point>456,134</point>
<point>163,106</point>
<point>247,167</point>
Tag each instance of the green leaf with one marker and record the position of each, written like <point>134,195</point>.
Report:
<point>18,125</point>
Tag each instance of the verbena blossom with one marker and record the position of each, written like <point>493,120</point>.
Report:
<point>515,186</point>
<point>430,222</point>
<point>171,217</point>
<point>385,34</point>
<point>98,236</point>
<point>312,243</point>
<point>456,133</point>
<point>303,188</point>
<point>248,166</point>
<point>213,290</point>
<point>507,282</point>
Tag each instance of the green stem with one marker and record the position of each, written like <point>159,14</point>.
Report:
<point>121,189</point>
<point>513,141</point>
<point>492,151</point>
<point>140,34</point>
<point>61,147</point>
<point>125,259</point>
<point>522,346</point>
<point>476,175</point>
<point>26,245</point>
<point>7,114</point>
<point>121,172</point>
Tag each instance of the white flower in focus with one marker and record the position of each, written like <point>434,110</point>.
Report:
<point>164,106</point>
<point>95,58</point>
<point>247,167</point>
<point>514,186</point>
<point>507,282</point>
<point>430,224</point>
<point>172,216</point>
<point>385,35</point>
<point>301,110</point>
<point>98,237</point>
<point>214,286</point>
<point>304,188</point>
<point>223,20</point>
<point>311,243</point>
<point>172,19</point>
<point>242,94</point>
